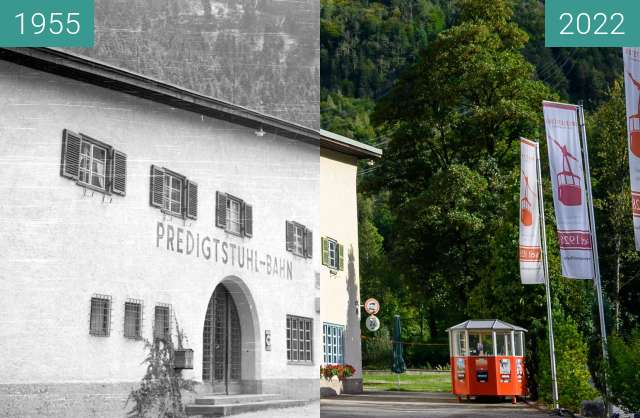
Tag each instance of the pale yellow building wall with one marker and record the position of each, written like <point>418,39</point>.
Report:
<point>340,291</point>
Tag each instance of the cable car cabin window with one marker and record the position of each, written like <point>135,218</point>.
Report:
<point>234,223</point>
<point>503,342</point>
<point>93,163</point>
<point>519,343</point>
<point>480,344</point>
<point>460,344</point>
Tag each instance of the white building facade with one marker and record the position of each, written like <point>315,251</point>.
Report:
<point>134,209</point>
<point>339,270</point>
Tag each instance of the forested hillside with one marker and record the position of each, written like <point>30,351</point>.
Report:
<point>262,54</point>
<point>446,89</point>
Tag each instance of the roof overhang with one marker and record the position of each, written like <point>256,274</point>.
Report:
<point>486,324</point>
<point>78,67</point>
<point>349,146</point>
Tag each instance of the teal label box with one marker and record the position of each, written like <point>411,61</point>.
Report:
<point>46,23</point>
<point>592,23</point>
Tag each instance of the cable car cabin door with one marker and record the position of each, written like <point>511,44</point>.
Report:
<point>222,344</point>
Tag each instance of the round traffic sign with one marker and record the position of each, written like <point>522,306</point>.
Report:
<point>372,306</point>
<point>373,323</point>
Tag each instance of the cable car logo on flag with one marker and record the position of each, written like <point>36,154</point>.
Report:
<point>526,216</point>
<point>569,191</point>
<point>567,171</point>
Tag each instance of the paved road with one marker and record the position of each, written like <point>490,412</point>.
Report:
<point>420,405</point>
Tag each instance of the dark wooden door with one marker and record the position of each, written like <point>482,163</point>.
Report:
<point>222,343</point>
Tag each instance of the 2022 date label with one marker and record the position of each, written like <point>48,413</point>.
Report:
<point>47,23</point>
<point>592,23</point>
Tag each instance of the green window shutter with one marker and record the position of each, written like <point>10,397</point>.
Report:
<point>70,161</point>
<point>221,210</point>
<point>325,251</point>
<point>119,172</point>
<point>308,243</point>
<point>289,235</point>
<point>340,257</point>
<point>156,195</point>
<point>191,200</point>
<point>247,215</point>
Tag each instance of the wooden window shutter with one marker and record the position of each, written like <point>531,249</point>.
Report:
<point>308,243</point>
<point>340,257</point>
<point>221,209</point>
<point>191,200</point>
<point>118,172</point>
<point>70,160</point>
<point>156,187</point>
<point>247,216</point>
<point>325,251</point>
<point>288,233</point>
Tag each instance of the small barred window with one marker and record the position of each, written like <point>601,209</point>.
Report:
<point>133,319</point>
<point>162,322</point>
<point>100,317</point>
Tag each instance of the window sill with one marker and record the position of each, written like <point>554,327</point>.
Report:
<point>300,363</point>
<point>172,214</point>
<point>92,187</point>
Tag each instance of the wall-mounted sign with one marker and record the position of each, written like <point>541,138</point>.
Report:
<point>267,340</point>
<point>505,370</point>
<point>183,241</point>
<point>371,306</point>
<point>460,369</point>
<point>373,323</point>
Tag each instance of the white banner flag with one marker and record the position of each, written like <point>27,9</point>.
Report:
<point>531,269</point>
<point>632,94</point>
<point>569,196</point>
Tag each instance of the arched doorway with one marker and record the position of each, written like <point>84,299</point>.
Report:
<point>222,343</point>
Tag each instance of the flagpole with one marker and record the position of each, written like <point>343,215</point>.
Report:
<point>594,245</point>
<point>547,285</point>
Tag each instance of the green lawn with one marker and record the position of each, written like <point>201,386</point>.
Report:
<point>416,381</point>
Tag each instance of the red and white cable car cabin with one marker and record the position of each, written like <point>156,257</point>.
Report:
<point>487,359</point>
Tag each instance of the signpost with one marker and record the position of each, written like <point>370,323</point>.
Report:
<point>372,306</point>
<point>373,323</point>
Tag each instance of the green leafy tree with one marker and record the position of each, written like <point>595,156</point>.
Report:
<point>571,363</point>
<point>624,370</point>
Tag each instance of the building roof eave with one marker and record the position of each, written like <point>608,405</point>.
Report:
<point>330,140</point>
<point>82,68</point>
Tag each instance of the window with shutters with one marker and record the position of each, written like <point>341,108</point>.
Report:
<point>299,239</point>
<point>299,340</point>
<point>333,342</point>
<point>173,193</point>
<point>234,223</point>
<point>162,322</point>
<point>133,319</point>
<point>332,254</point>
<point>234,215</point>
<point>93,164</point>
<point>100,316</point>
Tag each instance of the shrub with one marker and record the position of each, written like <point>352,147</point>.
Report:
<point>377,350</point>
<point>624,371</point>
<point>159,393</point>
<point>571,365</point>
